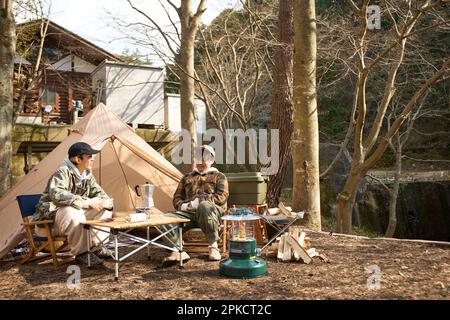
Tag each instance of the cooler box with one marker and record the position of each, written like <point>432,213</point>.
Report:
<point>246,188</point>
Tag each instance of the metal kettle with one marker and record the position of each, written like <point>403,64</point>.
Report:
<point>145,194</point>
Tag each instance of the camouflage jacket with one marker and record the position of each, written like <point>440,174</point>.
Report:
<point>207,186</point>
<point>66,187</point>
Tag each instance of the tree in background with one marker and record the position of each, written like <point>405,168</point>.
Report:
<point>233,67</point>
<point>407,135</point>
<point>30,45</point>
<point>305,142</point>
<point>7,54</point>
<point>185,61</point>
<point>181,44</point>
<point>282,98</point>
<point>406,20</point>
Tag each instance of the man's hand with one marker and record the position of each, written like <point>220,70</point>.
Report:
<point>108,203</point>
<point>188,206</point>
<point>96,204</point>
<point>195,203</point>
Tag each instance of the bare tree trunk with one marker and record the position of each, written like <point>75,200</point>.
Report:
<point>345,202</point>
<point>282,99</point>
<point>185,59</point>
<point>305,143</point>
<point>7,52</point>
<point>396,144</point>
<point>187,89</point>
<point>393,195</point>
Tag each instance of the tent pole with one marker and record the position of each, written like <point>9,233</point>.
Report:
<point>124,175</point>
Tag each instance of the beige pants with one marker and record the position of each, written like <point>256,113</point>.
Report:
<point>68,223</point>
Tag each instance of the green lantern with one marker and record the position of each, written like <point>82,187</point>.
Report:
<point>242,261</point>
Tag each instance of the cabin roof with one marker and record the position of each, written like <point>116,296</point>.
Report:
<point>71,42</point>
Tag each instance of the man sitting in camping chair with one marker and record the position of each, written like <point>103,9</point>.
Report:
<point>72,196</point>
<point>201,196</point>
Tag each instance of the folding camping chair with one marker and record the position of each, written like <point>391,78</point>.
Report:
<point>27,205</point>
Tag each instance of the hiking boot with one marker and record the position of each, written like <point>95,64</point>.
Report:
<point>214,252</point>
<point>83,258</point>
<point>174,258</point>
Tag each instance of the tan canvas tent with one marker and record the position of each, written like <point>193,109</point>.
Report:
<point>125,160</point>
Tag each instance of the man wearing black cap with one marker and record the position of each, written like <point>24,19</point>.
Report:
<point>72,196</point>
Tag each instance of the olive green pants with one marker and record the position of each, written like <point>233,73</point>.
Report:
<point>206,217</point>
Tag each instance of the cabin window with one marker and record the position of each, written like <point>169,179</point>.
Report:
<point>48,95</point>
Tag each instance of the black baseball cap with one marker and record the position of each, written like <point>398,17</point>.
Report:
<point>80,148</point>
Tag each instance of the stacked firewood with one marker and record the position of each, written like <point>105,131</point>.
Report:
<point>282,210</point>
<point>293,246</point>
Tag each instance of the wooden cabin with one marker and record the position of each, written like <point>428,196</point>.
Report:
<point>75,72</point>
<point>63,79</point>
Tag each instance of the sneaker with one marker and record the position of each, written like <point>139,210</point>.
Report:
<point>102,252</point>
<point>83,258</point>
<point>174,258</point>
<point>214,252</point>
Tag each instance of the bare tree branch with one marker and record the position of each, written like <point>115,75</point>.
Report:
<point>164,35</point>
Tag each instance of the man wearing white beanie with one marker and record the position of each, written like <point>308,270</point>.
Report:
<point>201,196</point>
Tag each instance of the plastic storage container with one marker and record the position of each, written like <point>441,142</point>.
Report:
<point>246,188</point>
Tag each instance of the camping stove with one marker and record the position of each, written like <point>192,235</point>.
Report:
<point>242,261</point>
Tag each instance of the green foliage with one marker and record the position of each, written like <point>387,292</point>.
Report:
<point>337,7</point>
<point>328,223</point>
<point>402,186</point>
<point>364,231</point>
<point>387,160</point>
<point>333,115</point>
<point>286,197</point>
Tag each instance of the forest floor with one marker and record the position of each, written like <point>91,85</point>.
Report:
<point>407,270</point>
